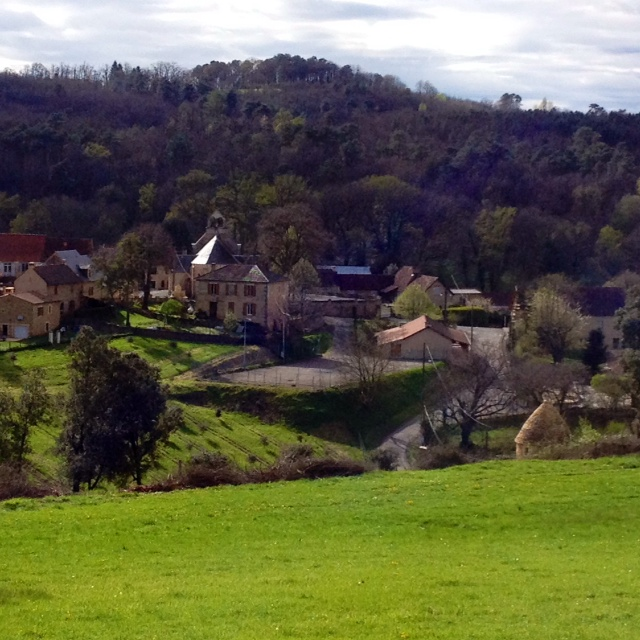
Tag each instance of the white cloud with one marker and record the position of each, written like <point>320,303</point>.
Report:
<point>572,53</point>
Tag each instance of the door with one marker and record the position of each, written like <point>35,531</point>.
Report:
<point>5,330</point>
<point>21,331</point>
<point>213,309</point>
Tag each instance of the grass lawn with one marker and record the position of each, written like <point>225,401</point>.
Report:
<point>53,360</point>
<point>487,552</point>
<point>171,357</point>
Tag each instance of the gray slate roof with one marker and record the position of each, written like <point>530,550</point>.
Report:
<point>241,273</point>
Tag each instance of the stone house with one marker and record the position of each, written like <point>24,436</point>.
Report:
<point>245,290</point>
<point>23,315</point>
<point>422,338</point>
<point>54,283</point>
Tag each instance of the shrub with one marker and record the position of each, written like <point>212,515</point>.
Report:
<point>441,457</point>
<point>385,459</point>
<point>15,483</point>
<point>586,433</point>
<point>476,317</point>
<point>210,470</point>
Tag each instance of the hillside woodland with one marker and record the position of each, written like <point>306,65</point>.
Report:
<point>354,166</point>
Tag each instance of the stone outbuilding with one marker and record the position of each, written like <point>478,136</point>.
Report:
<point>422,338</point>
<point>544,426</point>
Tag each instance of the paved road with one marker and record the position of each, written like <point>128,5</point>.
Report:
<point>403,440</point>
<point>318,373</point>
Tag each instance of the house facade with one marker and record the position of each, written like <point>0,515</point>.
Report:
<point>246,291</point>
<point>53,283</point>
<point>23,315</point>
<point>422,339</point>
<point>431,285</point>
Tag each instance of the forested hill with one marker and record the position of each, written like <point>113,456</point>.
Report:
<point>354,167</point>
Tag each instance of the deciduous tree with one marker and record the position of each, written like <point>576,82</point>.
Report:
<point>414,302</point>
<point>116,414</point>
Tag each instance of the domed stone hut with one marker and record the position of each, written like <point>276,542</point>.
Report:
<point>544,426</point>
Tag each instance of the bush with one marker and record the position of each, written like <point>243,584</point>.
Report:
<point>385,459</point>
<point>477,317</point>
<point>606,446</point>
<point>210,470</point>
<point>441,457</point>
<point>15,483</point>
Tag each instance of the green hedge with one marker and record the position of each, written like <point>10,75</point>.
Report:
<point>477,317</point>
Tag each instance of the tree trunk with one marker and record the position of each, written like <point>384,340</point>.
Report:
<point>466,429</point>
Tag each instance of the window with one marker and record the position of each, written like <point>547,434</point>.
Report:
<point>25,266</point>
<point>231,307</point>
<point>7,267</point>
<point>250,290</point>
<point>249,309</point>
<point>55,290</point>
<point>214,288</point>
<point>62,307</point>
<point>50,309</point>
<point>232,289</point>
<point>40,311</point>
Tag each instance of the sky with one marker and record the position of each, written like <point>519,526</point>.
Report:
<point>573,53</point>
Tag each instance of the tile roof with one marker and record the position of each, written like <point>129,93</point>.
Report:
<point>27,247</point>
<point>22,247</point>
<point>79,264</point>
<point>422,323</point>
<point>57,274</point>
<point>31,298</point>
<point>241,273</point>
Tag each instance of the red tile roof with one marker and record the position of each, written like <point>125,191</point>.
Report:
<point>22,247</point>
<point>422,323</point>
<point>27,247</point>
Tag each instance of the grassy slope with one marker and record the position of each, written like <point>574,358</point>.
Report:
<point>491,552</point>
<point>54,361</point>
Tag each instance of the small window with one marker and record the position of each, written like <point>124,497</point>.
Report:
<point>25,266</point>
<point>7,267</point>
<point>62,307</point>
<point>55,290</point>
<point>231,307</point>
<point>50,309</point>
<point>232,289</point>
<point>249,309</point>
<point>250,290</point>
<point>214,288</point>
<point>40,311</point>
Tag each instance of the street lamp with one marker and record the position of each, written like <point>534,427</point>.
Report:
<point>284,334</point>
<point>244,359</point>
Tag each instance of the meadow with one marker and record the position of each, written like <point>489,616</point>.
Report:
<point>493,551</point>
<point>171,357</point>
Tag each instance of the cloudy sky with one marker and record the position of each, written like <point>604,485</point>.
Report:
<point>574,53</point>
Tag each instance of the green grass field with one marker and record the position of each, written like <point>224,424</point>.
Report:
<point>173,358</point>
<point>243,438</point>
<point>490,552</point>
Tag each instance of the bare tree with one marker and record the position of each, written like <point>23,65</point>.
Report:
<point>535,381</point>
<point>471,387</point>
<point>365,364</point>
